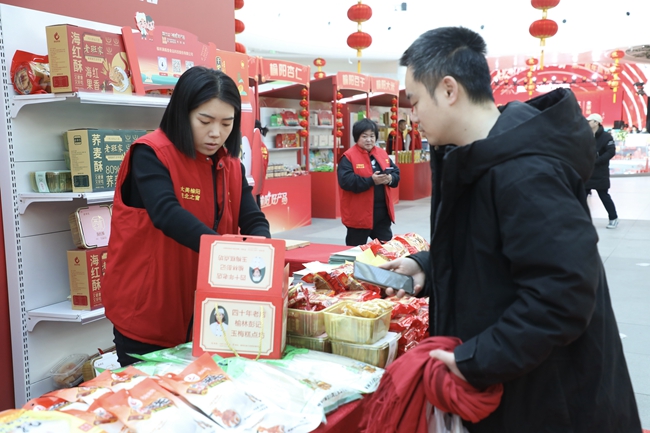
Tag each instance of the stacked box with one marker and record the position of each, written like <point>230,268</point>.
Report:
<point>96,155</point>
<point>88,60</point>
<point>86,269</point>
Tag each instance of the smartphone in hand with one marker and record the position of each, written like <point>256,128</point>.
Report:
<point>383,278</point>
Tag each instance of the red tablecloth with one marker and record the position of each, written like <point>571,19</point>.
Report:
<point>345,419</point>
<point>311,253</point>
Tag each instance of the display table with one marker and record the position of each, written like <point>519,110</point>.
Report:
<point>311,253</point>
<point>415,180</point>
<point>325,195</point>
<point>345,419</point>
<point>286,202</point>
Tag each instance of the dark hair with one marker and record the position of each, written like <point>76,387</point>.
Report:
<point>455,51</point>
<point>195,87</point>
<point>362,126</point>
<point>401,121</point>
<point>213,315</point>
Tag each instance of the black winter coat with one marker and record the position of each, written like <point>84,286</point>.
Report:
<point>514,272</point>
<point>605,150</point>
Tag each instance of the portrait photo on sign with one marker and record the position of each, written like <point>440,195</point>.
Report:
<point>219,321</point>
<point>257,269</point>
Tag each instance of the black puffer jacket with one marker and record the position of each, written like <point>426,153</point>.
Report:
<point>514,271</point>
<point>605,150</point>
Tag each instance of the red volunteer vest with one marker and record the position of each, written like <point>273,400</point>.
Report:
<point>357,208</point>
<point>416,140</point>
<point>148,291</point>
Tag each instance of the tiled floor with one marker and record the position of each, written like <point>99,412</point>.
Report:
<point>625,252</point>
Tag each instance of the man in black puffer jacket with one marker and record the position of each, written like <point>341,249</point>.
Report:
<point>605,150</point>
<point>514,270</point>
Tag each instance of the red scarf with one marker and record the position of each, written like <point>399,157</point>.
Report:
<point>399,405</point>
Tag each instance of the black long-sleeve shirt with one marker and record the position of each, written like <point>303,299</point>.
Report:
<point>149,186</point>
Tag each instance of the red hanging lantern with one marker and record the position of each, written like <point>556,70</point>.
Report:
<point>359,40</point>
<point>304,133</point>
<point>240,48</point>
<point>304,123</point>
<point>304,103</point>
<point>359,13</point>
<point>304,113</point>
<point>393,125</point>
<point>544,5</point>
<point>393,101</point>
<point>339,105</point>
<point>393,109</point>
<point>393,117</point>
<point>339,134</point>
<point>339,124</point>
<point>544,28</point>
<point>239,26</point>
<point>239,4</point>
<point>304,93</point>
<point>319,63</point>
<point>339,95</point>
<point>339,115</point>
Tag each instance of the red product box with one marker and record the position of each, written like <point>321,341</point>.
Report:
<point>86,269</point>
<point>241,297</point>
<point>87,60</point>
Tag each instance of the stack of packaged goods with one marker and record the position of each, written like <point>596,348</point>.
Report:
<point>331,311</point>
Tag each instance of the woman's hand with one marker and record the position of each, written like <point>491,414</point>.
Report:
<point>405,266</point>
<point>449,360</point>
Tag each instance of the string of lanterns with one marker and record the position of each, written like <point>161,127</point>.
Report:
<point>530,84</point>
<point>319,63</point>
<point>239,28</point>
<point>304,113</point>
<point>359,40</point>
<point>339,116</point>
<point>544,28</point>
<point>393,118</point>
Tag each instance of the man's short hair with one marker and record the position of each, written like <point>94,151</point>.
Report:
<point>455,51</point>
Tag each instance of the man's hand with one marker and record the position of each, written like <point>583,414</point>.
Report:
<point>449,360</point>
<point>405,266</point>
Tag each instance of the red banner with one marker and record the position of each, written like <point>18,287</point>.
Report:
<point>286,202</point>
<point>353,81</point>
<point>385,85</point>
<point>281,70</point>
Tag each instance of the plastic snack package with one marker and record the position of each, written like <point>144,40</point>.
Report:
<point>43,421</point>
<point>330,368</point>
<point>54,403</point>
<point>125,379</point>
<point>82,394</point>
<point>206,386</point>
<point>405,305</point>
<point>30,73</point>
<point>181,354</point>
<point>295,402</point>
<point>147,407</point>
<point>98,416</point>
<point>370,309</point>
<point>358,295</point>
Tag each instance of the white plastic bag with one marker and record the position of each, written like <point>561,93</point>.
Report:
<point>443,422</point>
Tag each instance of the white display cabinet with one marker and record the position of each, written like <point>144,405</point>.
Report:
<point>37,235</point>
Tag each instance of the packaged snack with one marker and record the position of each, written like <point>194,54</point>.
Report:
<point>205,385</point>
<point>405,305</point>
<point>53,403</point>
<point>321,343</point>
<point>325,117</point>
<point>289,118</point>
<point>147,407</point>
<point>125,379</point>
<point>362,330</point>
<point>286,140</point>
<point>370,310</point>
<point>379,354</point>
<point>30,73</point>
<point>358,295</point>
<point>22,420</point>
<point>68,372</point>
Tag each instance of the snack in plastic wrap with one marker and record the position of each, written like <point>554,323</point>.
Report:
<point>358,295</point>
<point>370,310</point>
<point>125,379</point>
<point>205,385</point>
<point>30,73</point>
<point>147,407</point>
<point>405,305</point>
<point>22,420</point>
<point>53,403</point>
<point>328,370</point>
<point>83,394</point>
<point>416,241</point>
<point>290,401</point>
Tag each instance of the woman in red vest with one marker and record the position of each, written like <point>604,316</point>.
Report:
<point>175,184</point>
<point>366,175</point>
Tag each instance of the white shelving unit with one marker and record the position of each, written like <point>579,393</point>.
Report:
<point>36,229</point>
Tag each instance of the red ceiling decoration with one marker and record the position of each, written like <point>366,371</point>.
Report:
<point>359,40</point>
<point>544,28</point>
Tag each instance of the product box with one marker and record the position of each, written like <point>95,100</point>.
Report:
<point>96,155</point>
<point>380,354</point>
<point>87,60</point>
<point>241,297</point>
<point>86,269</point>
<point>91,226</point>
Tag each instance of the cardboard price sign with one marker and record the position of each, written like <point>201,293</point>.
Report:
<point>241,297</point>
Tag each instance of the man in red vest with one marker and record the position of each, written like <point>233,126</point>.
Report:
<point>366,175</point>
